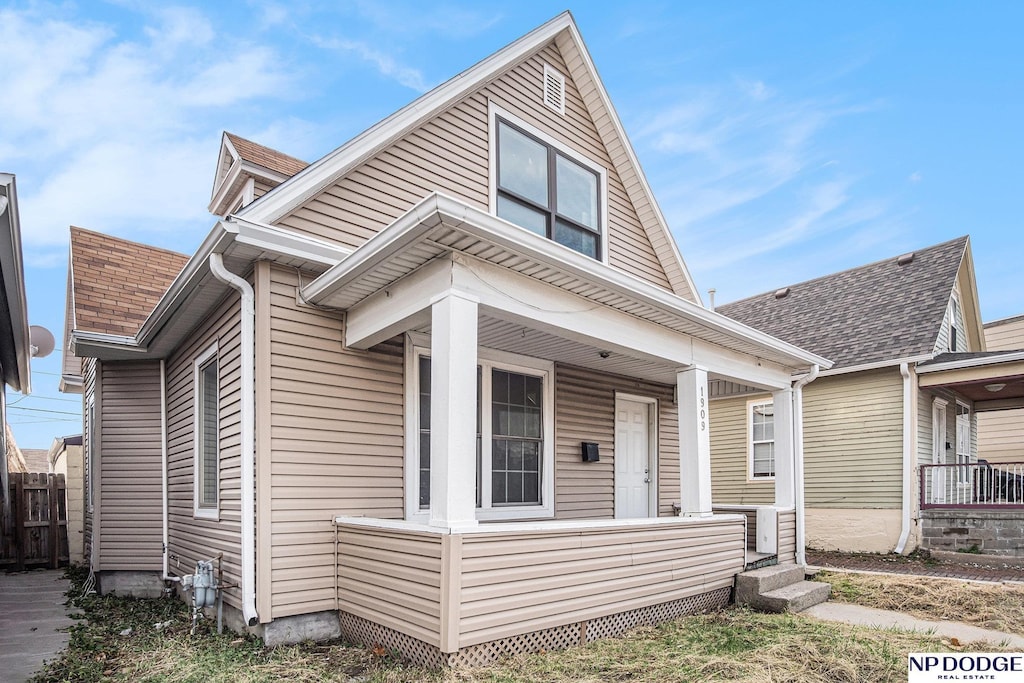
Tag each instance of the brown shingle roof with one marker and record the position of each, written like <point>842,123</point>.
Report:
<point>264,156</point>
<point>117,283</point>
<point>881,311</point>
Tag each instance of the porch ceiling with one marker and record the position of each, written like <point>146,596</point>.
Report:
<point>991,381</point>
<point>513,337</point>
<point>440,225</point>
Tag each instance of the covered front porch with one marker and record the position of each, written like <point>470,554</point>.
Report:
<point>558,476</point>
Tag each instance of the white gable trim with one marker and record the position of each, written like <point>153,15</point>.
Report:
<point>562,29</point>
<point>321,174</point>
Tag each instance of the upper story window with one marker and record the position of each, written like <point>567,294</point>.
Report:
<point>954,325</point>
<point>547,191</point>
<point>762,440</point>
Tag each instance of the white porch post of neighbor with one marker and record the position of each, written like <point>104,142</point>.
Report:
<point>785,480</point>
<point>694,443</point>
<point>453,409</point>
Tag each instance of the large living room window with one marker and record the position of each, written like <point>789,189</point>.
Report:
<point>514,447</point>
<point>543,188</point>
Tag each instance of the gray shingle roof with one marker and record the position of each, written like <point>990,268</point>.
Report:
<point>881,311</point>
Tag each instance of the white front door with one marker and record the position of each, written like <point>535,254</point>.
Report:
<point>635,465</point>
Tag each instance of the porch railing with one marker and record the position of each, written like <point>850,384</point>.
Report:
<point>974,485</point>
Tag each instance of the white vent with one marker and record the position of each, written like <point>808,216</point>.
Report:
<point>782,293</point>
<point>554,89</point>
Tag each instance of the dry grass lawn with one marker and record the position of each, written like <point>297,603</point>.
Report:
<point>994,606</point>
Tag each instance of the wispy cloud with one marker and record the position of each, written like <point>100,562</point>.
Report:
<point>385,64</point>
<point>115,130</point>
<point>747,165</point>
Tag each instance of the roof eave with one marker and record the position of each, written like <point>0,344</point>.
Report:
<point>1008,357</point>
<point>20,377</point>
<point>405,231</point>
<point>320,174</point>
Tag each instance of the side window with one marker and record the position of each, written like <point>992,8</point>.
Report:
<point>547,191</point>
<point>762,440</point>
<point>207,434</point>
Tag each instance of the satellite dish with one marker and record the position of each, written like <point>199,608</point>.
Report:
<point>41,341</point>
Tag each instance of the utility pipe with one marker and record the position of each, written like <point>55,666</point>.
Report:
<point>798,460</point>
<point>908,456</point>
<point>163,469</point>
<point>248,436</point>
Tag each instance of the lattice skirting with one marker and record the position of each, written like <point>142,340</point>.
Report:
<point>366,632</point>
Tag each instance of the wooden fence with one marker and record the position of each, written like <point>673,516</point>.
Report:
<point>34,522</point>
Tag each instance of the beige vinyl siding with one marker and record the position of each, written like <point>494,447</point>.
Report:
<point>730,445</point>
<point>787,537</point>
<point>261,187</point>
<point>853,440</point>
<point>925,445</point>
<point>1001,433</point>
<point>585,411</point>
<point>89,371</point>
<point>450,154</point>
<point>392,578</point>
<point>518,582</point>
<point>336,432</point>
<point>1005,335</point>
<point>192,539</point>
<point>131,534</point>
<point>1001,436</point>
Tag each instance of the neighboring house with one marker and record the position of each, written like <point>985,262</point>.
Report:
<point>1001,434</point>
<point>35,459</point>
<point>65,457</point>
<point>15,348</point>
<point>443,390</point>
<point>910,375</point>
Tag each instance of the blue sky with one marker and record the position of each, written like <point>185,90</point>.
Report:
<point>783,140</point>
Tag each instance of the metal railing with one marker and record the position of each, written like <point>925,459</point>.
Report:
<point>974,485</point>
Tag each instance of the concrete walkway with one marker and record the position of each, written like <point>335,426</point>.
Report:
<point>33,621</point>
<point>884,619</point>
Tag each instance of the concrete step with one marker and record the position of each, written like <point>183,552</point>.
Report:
<point>793,598</point>
<point>759,581</point>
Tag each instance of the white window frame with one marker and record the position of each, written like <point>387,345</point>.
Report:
<point>199,511</point>
<point>952,343</point>
<point>494,112</point>
<point>418,345</point>
<point>751,404</point>
<point>90,450</point>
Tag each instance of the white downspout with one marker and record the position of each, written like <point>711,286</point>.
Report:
<point>798,460</point>
<point>163,469</point>
<point>248,436</point>
<point>908,456</point>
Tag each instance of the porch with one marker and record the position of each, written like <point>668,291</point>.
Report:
<point>446,596</point>
<point>976,507</point>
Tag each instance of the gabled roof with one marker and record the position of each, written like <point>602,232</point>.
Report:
<point>879,312</point>
<point>260,155</point>
<point>561,30</point>
<point>115,283</point>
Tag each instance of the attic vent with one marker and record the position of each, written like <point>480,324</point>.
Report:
<point>781,293</point>
<point>554,89</point>
<point>905,259</point>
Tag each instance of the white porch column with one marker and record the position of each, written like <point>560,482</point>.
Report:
<point>453,349</point>
<point>785,449</point>
<point>694,443</point>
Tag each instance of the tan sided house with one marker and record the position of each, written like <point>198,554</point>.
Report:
<point>891,428</point>
<point>1001,434</point>
<point>443,390</point>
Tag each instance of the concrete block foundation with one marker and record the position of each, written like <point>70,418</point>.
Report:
<point>993,532</point>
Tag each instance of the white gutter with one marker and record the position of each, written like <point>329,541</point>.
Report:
<point>248,435</point>
<point>163,460</point>
<point>878,365</point>
<point>996,358</point>
<point>798,460</point>
<point>908,456</point>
